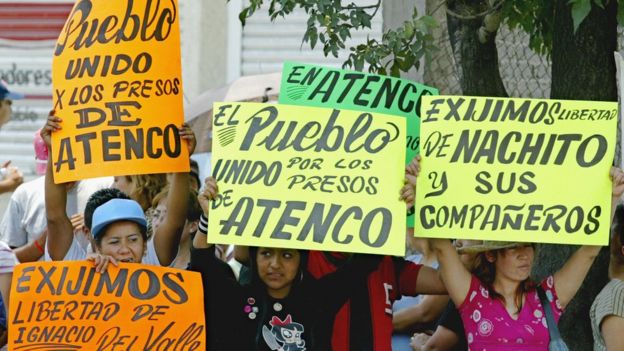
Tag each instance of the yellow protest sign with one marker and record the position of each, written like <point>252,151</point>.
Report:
<point>68,306</point>
<point>308,178</point>
<point>118,89</point>
<point>516,169</point>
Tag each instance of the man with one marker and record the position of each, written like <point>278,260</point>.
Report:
<point>607,311</point>
<point>6,100</point>
<point>10,177</point>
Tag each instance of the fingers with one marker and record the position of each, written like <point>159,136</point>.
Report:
<point>210,189</point>
<point>186,133</point>
<point>413,168</point>
<point>617,175</point>
<point>407,195</point>
<point>53,123</point>
<point>101,262</point>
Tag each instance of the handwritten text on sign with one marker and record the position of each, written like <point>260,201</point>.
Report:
<point>308,178</point>
<point>67,305</point>
<point>516,169</point>
<point>117,87</point>
<point>310,85</point>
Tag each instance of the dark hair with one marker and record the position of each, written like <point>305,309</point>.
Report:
<point>259,288</point>
<point>255,276</point>
<point>486,272</point>
<point>617,235</point>
<point>194,173</point>
<point>99,198</point>
<point>98,239</point>
<point>618,222</point>
<point>194,210</point>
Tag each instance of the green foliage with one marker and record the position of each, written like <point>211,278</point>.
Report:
<point>580,10</point>
<point>535,17</point>
<point>399,50</point>
<point>331,23</point>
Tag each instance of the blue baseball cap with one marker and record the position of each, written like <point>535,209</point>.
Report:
<point>116,210</point>
<point>6,94</point>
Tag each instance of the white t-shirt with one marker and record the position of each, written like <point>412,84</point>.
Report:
<point>78,252</point>
<point>8,261</point>
<point>25,217</point>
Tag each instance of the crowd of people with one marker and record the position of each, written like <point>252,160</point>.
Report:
<point>444,295</point>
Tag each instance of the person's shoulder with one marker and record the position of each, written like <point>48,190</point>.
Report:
<point>32,187</point>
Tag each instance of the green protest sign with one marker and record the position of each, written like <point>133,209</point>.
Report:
<point>310,85</point>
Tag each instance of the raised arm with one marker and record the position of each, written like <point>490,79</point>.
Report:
<point>167,236</point>
<point>453,273</point>
<point>60,231</point>
<point>570,277</point>
<point>209,193</point>
<point>455,276</point>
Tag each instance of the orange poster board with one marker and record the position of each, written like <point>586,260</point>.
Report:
<point>117,84</point>
<point>68,306</point>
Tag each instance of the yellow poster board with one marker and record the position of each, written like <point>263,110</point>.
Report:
<point>68,306</point>
<point>117,84</point>
<point>516,169</point>
<point>308,178</point>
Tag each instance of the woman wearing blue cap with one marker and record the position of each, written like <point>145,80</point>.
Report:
<point>118,227</point>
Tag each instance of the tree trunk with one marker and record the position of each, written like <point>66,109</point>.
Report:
<point>583,68</point>
<point>477,62</point>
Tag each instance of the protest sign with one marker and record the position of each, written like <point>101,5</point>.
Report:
<point>68,306</point>
<point>310,85</point>
<point>307,178</point>
<point>516,169</point>
<point>118,89</point>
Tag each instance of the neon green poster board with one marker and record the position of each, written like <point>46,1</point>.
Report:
<point>307,178</point>
<point>311,85</point>
<point>516,169</point>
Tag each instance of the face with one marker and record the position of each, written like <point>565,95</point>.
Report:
<point>278,269</point>
<point>5,111</point>
<point>124,184</point>
<point>123,241</point>
<point>515,263</point>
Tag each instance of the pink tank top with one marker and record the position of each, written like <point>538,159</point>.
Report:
<point>489,326</point>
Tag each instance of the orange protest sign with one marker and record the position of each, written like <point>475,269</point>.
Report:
<point>116,75</point>
<point>68,306</point>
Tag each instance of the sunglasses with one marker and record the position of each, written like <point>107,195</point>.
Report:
<point>8,102</point>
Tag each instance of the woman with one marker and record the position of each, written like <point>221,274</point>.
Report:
<point>281,306</point>
<point>160,250</point>
<point>499,304</point>
<point>119,232</point>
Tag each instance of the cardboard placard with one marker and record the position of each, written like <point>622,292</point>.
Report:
<point>516,169</point>
<point>68,306</point>
<point>308,178</point>
<point>117,87</point>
